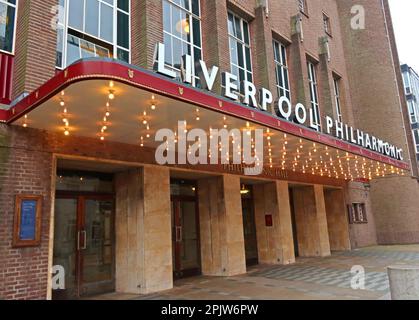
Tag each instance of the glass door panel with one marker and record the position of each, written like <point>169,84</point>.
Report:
<point>250,237</point>
<point>97,247</point>
<point>185,237</point>
<point>65,253</point>
<point>190,241</point>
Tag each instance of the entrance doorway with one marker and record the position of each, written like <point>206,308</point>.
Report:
<point>84,234</point>
<point>249,226</point>
<point>185,229</point>
<point>294,223</point>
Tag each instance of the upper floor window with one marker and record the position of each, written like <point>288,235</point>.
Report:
<point>336,83</point>
<point>182,33</point>
<point>416,136</point>
<point>414,83</point>
<point>7,25</point>
<point>240,54</point>
<point>413,112</point>
<point>93,28</point>
<point>326,24</point>
<point>314,96</point>
<point>282,73</point>
<point>302,6</point>
<point>406,81</point>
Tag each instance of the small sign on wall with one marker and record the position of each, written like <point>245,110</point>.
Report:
<point>27,221</point>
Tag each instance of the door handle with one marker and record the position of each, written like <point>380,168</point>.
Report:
<point>179,235</point>
<point>79,235</point>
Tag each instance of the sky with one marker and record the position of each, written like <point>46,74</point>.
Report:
<point>406,26</point>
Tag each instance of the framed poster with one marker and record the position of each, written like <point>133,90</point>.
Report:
<point>27,221</point>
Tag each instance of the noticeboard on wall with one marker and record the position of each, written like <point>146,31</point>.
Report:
<point>27,221</point>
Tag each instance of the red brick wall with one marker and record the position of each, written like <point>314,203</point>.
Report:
<point>36,42</point>
<point>377,109</point>
<point>23,272</point>
<point>361,235</point>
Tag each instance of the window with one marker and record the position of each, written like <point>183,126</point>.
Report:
<point>282,73</point>
<point>414,84</point>
<point>412,111</point>
<point>336,83</point>
<point>302,6</point>
<point>326,24</point>
<point>406,81</point>
<point>182,33</point>
<point>314,97</point>
<point>93,28</point>
<point>357,213</point>
<point>7,25</point>
<point>416,136</point>
<point>240,55</point>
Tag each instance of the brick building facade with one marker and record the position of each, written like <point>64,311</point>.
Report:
<point>144,231</point>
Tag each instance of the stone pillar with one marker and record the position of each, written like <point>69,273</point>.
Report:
<point>143,231</point>
<point>275,244</point>
<point>311,221</point>
<point>337,220</point>
<point>322,221</point>
<point>221,226</point>
<point>404,282</point>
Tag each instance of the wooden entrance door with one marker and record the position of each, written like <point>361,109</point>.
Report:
<point>185,237</point>
<point>84,244</point>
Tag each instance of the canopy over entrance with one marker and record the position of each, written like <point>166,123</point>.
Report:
<point>113,101</point>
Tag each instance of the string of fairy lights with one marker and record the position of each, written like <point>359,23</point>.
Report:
<point>281,151</point>
<point>105,123</point>
<point>315,159</point>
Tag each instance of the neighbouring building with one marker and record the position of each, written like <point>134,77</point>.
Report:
<point>86,85</point>
<point>411,89</point>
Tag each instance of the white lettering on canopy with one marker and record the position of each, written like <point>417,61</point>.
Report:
<point>247,93</point>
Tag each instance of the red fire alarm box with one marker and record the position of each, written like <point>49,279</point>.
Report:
<point>269,220</point>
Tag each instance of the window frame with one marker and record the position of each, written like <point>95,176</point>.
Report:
<point>314,92</point>
<point>282,63</point>
<point>191,42</point>
<point>412,116</point>
<point>115,47</point>
<point>244,46</point>
<point>16,6</point>
<point>354,210</point>
<point>338,100</point>
<point>302,7</point>
<point>406,77</point>
<point>415,133</point>
<point>327,25</point>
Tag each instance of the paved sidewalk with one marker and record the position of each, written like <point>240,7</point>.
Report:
<point>309,279</point>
